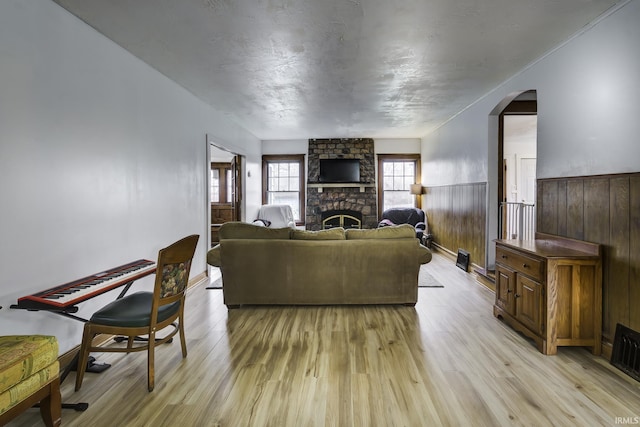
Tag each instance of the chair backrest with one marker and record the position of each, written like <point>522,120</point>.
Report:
<point>172,273</point>
<point>278,215</point>
<point>404,215</point>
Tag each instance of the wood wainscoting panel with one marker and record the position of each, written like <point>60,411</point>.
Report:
<point>547,212</point>
<point>618,290</point>
<point>606,210</point>
<point>456,215</point>
<point>634,251</point>
<point>575,209</point>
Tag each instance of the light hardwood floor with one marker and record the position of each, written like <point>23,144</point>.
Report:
<point>446,362</point>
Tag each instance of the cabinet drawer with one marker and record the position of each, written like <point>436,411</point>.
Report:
<point>532,267</point>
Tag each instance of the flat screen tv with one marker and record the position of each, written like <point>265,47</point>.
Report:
<point>339,170</point>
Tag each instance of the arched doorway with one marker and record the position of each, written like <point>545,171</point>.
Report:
<point>511,174</point>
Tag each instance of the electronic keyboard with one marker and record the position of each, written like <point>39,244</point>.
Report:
<point>65,296</point>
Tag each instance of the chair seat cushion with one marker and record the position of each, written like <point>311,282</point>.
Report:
<point>23,355</point>
<point>27,362</point>
<point>132,311</point>
<point>22,390</point>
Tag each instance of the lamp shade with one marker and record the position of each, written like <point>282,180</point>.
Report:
<point>416,189</point>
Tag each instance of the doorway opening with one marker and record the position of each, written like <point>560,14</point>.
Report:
<point>225,189</point>
<point>517,194</point>
<point>511,195</point>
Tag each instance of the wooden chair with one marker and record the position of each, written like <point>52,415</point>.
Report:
<point>145,313</point>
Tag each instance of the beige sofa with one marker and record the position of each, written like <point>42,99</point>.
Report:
<point>287,266</point>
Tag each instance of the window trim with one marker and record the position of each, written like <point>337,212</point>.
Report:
<point>397,157</point>
<point>279,158</point>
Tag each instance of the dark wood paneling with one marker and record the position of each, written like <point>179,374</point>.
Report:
<point>575,209</point>
<point>618,298</point>
<point>549,207</point>
<point>596,210</point>
<point>605,210</point>
<point>562,207</point>
<point>457,218</point>
<point>596,229</point>
<point>634,252</point>
<point>479,221</point>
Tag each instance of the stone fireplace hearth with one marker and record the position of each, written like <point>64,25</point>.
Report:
<point>341,218</point>
<point>360,197</point>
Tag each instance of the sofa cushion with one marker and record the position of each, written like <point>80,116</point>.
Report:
<point>329,234</point>
<point>23,355</point>
<point>392,232</point>
<point>243,230</point>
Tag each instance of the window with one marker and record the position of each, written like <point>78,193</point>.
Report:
<point>396,173</point>
<point>221,191</point>
<point>283,183</point>
<point>215,185</point>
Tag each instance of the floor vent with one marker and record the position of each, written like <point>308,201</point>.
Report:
<point>626,351</point>
<point>463,259</point>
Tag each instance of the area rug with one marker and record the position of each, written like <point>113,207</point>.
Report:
<point>426,280</point>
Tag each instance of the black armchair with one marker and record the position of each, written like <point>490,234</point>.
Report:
<point>413,216</point>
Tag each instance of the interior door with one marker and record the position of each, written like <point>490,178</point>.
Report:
<point>528,180</point>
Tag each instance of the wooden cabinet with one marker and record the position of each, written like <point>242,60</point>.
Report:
<point>550,289</point>
<point>220,213</point>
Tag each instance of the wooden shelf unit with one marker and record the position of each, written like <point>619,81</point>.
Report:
<point>550,290</point>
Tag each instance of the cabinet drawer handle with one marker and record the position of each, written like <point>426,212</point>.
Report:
<point>517,296</point>
<point>525,265</point>
<point>509,291</point>
<point>503,256</point>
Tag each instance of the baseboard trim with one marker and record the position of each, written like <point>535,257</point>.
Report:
<point>198,280</point>
<point>607,350</point>
<point>484,279</point>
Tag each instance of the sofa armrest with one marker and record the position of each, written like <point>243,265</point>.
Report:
<point>424,254</point>
<point>213,256</point>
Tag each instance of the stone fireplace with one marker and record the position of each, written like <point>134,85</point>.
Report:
<point>326,199</point>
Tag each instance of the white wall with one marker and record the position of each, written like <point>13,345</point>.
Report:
<point>286,146</point>
<point>587,91</point>
<point>103,160</point>
<point>397,146</point>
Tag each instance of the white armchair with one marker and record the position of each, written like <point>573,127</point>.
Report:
<point>276,216</point>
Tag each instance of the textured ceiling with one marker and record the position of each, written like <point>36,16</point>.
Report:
<point>288,69</point>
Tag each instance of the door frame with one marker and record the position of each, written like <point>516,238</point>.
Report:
<point>238,193</point>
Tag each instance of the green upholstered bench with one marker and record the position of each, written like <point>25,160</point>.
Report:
<point>29,374</point>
